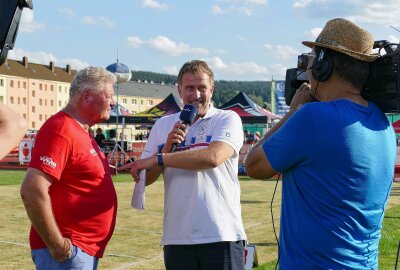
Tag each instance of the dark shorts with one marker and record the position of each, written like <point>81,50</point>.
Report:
<point>211,256</point>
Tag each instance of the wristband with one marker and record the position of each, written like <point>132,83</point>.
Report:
<point>160,160</point>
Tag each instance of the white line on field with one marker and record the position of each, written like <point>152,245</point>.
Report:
<point>14,243</point>
<point>139,262</point>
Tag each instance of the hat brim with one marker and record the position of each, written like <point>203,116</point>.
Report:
<point>357,55</point>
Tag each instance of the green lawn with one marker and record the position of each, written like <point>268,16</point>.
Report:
<point>135,243</point>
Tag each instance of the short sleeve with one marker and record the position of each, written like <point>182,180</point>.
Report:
<point>292,143</point>
<point>228,129</point>
<point>51,152</point>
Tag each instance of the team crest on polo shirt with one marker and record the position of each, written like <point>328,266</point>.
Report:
<point>201,135</point>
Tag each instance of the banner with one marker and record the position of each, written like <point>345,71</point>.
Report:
<point>281,107</point>
<point>25,150</point>
<point>273,99</point>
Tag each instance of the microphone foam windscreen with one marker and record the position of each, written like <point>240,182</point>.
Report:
<point>188,114</point>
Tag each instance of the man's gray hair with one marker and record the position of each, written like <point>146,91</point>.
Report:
<point>93,79</point>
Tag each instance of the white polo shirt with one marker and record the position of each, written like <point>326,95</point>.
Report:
<point>201,206</point>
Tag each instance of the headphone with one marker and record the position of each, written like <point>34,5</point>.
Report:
<point>322,66</point>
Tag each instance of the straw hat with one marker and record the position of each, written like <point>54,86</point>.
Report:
<point>344,36</point>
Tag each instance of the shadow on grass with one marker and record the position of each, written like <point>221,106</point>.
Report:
<point>251,202</point>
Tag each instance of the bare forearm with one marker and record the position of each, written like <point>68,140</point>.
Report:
<point>40,213</point>
<point>12,129</point>
<point>191,160</point>
<point>153,174</point>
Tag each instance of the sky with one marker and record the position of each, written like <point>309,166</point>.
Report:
<point>243,40</point>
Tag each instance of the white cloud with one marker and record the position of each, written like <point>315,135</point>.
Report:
<point>165,45</point>
<point>135,42</point>
<point>216,10</point>
<point>172,70</point>
<point>247,7</point>
<point>68,11</point>
<point>393,39</point>
<point>378,12</point>
<point>312,34</point>
<point>89,20</point>
<point>281,52</point>
<point>45,58</point>
<point>28,23</point>
<point>237,71</point>
<point>75,63</point>
<point>154,4</point>
<point>99,20</point>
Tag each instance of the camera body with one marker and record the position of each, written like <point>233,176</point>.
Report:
<point>10,15</point>
<point>382,86</point>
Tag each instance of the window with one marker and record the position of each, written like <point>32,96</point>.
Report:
<point>12,100</point>
<point>45,102</point>
<point>24,85</point>
<point>134,101</point>
<point>11,83</point>
<point>51,88</point>
<point>59,89</point>
<point>40,117</point>
<point>1,99</point>
<point>40,102</point>
<point>141,102</point>
<point>45,87</point>
<point>59,103</point>
<point>124,100</point>
<point>1,82</point>
<point>24,115</point>
<point>51,103</point>
<point>19,84</point>
<point>24,101</point>
<point>33,109</point>
<point>40,86</point>
<point>33,125</point>
<point>149,102</point>
<point>33,93</point>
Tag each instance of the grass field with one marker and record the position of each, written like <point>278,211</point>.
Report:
<point>135,243</point>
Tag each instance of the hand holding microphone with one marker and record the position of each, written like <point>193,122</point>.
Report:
<point>177,135</point>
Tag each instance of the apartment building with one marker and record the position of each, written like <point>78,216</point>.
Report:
<point>38,91</point>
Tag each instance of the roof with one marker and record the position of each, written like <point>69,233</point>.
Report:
<point>142,89</point>
<point>248,110</point>
<point>25,69</point>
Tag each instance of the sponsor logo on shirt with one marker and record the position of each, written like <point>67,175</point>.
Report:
<point>93,152</point>
<point>48,161</point>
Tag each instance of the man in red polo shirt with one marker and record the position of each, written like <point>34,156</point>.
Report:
<point>68,192</point>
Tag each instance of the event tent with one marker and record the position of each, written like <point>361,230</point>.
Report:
<point>169,105</point>
<point>248,110</point>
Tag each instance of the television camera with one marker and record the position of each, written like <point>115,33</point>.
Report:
<point>383,83</point>
<point>10,15</point>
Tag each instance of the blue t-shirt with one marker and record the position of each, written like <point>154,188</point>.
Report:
<point>337,160</point>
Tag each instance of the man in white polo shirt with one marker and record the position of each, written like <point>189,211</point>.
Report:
<point>203,227</point>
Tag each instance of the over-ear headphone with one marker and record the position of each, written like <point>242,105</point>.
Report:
<point>322,66</point>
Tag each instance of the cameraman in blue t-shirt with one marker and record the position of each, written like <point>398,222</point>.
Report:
<point>336,157</point>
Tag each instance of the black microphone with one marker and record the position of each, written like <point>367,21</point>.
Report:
<point>186,117</point>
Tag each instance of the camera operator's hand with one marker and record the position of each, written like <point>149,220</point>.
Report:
<point>303,95</point>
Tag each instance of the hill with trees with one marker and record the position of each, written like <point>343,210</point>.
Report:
<point>258,91</point>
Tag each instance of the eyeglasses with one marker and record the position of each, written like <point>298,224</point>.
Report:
<point>303,59</point>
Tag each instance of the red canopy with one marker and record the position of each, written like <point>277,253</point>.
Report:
<point>396,126</point>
